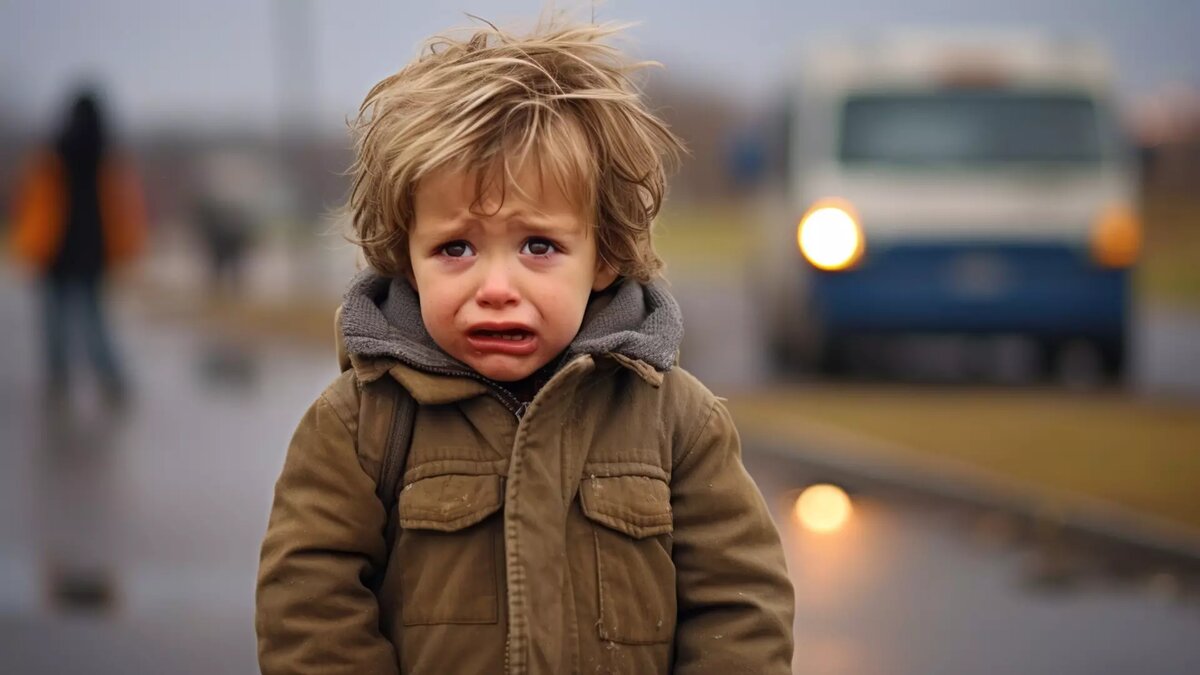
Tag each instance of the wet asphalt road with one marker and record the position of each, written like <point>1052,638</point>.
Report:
<point>150,523</point>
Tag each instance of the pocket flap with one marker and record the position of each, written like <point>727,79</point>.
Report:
<point>451,502</point>
<point>638,506</point>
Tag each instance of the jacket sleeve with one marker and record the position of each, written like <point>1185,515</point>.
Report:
<point>37,217</point>
<point>325,539</point>
<point>735,599</point>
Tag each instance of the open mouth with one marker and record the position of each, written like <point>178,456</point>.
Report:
<point>513,341</point>
<point>516,335</point>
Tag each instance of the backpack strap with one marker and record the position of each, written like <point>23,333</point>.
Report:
<point>399,439</point>
<point>385,402</point>
<point>384,396</point>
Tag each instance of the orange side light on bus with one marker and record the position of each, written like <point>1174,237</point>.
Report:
<point>1116,237</point>
<point>830,236</point>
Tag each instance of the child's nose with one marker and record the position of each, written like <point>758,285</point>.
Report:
<point>497,289</point>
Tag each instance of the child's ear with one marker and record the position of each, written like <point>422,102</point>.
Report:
<point>412,280</point>
<point>605,275</point>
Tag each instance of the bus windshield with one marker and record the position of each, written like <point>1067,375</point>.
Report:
<point>970,127</point>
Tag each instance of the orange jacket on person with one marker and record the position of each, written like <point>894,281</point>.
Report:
<point>38,228</point>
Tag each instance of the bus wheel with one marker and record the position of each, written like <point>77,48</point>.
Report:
<point>830,357</point>
<point>1114,359</point>
<point>784,361</point>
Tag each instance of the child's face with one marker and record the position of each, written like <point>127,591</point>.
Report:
<point>504,293</point>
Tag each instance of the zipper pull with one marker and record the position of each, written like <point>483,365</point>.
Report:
<point>520,411</point>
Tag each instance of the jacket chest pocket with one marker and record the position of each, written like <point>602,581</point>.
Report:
<point>447,549</point>
<point>632,523</point>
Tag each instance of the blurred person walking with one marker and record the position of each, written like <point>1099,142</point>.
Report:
<point>79,213</point>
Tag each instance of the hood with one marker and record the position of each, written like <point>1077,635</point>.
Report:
<point>381,317</point>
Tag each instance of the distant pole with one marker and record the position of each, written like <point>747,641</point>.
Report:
<point>297,98</point>
<point>296,72</point>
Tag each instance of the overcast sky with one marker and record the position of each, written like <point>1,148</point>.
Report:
<point>218,62</point>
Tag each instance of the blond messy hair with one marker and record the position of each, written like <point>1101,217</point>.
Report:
<point>490,102</point>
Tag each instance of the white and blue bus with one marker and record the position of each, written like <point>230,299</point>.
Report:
<point>969,185</point>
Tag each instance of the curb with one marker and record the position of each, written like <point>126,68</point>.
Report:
<point>836,449</point>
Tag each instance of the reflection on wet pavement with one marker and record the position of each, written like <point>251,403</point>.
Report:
<point>75,514</point>
<point>133,541</point>
<point>915,584</point>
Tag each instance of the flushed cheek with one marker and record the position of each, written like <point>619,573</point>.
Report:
<point>440,324</point>
<point>566,310</point>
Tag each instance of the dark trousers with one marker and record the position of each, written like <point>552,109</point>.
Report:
<point>72,310</point>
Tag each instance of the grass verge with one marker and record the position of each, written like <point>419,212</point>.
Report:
<point>1139,454</point>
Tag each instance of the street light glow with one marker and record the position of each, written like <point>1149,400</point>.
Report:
<point>823,508</point>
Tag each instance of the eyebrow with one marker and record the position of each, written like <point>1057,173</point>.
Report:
<point>543,226</point>
<point>531,222</point>
<point>538,222</point>
<point>450,229</point>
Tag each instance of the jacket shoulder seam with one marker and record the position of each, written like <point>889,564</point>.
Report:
<point>336,413</point>
<point>691,444</point>
<point>344,410</point>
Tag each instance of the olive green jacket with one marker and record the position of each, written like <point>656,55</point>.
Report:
<point>607,527</point>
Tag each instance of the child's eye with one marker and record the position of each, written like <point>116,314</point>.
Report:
<point>539,247</point>
<point>456,249</point>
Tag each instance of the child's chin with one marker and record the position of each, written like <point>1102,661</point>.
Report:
<point>505,368</point>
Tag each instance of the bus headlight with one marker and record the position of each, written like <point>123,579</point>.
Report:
<point>830,236</point>
<point>1116,238</point>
